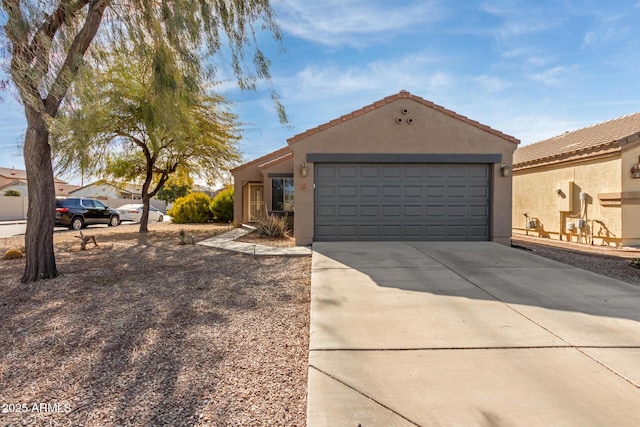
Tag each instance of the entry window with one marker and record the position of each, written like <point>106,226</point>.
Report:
<point>282,194</point>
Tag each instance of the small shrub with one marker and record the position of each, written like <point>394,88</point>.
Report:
<point>635,263</point>
<point>272,226</point>
<point>13,254</point>
<point>12,193</point>
<point>222,205</point>
<point>193,208</point>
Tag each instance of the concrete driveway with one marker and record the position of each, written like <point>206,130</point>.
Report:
<point>468,334</point>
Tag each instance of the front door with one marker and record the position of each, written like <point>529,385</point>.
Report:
<point>256,202</point>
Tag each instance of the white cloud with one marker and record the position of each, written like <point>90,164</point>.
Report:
<point>519,20</point>
<point>492,83</point>
<point>412,72</point>
<point>338,22</point>
<point>553,75</point>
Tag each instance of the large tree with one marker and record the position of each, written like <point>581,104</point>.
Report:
<point>48,42</point>
<point>123,124</point>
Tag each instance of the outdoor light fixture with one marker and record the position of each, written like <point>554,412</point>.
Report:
<point>635,170</point>
<point>505,169</point>
<point>303,169</point>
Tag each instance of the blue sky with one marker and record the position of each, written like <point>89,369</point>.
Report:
<point>531,69</point>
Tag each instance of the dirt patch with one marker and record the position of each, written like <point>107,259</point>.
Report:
<point>141,330</point>
<point>282,242</point>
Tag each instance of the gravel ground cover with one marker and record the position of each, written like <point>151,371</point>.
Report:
<point>611,262</point>
<point>278,242</point>
<point>141,330</point>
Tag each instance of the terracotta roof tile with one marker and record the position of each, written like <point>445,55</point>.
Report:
<point>13,173</point>
<point>276,160</point>
<point>401,95</point>
<point>598,137</point>
<point>264,159</point>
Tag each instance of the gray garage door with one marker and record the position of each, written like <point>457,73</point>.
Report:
<point>370,201</point>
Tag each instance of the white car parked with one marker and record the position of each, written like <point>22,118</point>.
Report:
<point>133,212</point>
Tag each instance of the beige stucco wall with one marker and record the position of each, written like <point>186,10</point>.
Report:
<point>631,206</point>
<point>377,132</point>
<point>534,193</point>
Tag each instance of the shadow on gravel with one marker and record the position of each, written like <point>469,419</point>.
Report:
<point>132,336</point>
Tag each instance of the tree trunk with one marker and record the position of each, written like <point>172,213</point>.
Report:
<point>41,261</point>
<point>144,219</point>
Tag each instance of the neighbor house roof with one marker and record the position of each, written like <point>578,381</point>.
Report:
<point>592,140</point>
<point>401,95</point>
<point>65,189</point>
<point>127,188</point>
<point>17,174</point>
<point>13,174</point>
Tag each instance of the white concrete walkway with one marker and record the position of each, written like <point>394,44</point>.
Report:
<point>227,242</point>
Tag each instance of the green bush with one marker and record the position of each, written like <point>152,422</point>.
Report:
<point>13,193</point>
<point>193,208</point>
<point>222,205</point>
<point>272,226</point>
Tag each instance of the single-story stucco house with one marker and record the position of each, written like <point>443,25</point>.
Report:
<point>581,186</point>
<point>402,168</point>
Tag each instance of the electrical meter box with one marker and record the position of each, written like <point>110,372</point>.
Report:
<point>564,194</point>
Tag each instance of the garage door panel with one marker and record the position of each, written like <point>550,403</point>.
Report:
<point>457,191</point>
<point>391,191</point>
<point>348,210</point>
<point>392,211</point>
<point>347,172</point>
<point>402,202</point>
<point>327,192</point>
<point>480,211</point>
<point>414,171</point>
<point>416,210</point>
<point>413,191</point>
<point>391,171</point>
<point>326,211</point>
<point>348,191</point>
<point>434,191</point>
<point>370,171</point>
<point>479,191</point>
<point>370,191</point>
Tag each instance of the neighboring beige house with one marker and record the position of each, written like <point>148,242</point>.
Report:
<point>581,186</point>
<point>104,190</point>
<point>15,179</point>
<point>402,168</point>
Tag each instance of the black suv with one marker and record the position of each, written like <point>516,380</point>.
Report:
<point>78,212</point>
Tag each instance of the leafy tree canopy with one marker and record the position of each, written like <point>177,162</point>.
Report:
<point>49,41</point>
<point>178,185</point>
<point>124,124</point>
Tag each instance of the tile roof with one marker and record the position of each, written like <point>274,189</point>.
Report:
<point>264,159</point>
<point>600,137</point>
<point>276,160</point>
<point>13,173</point>
<point>401,95</point>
